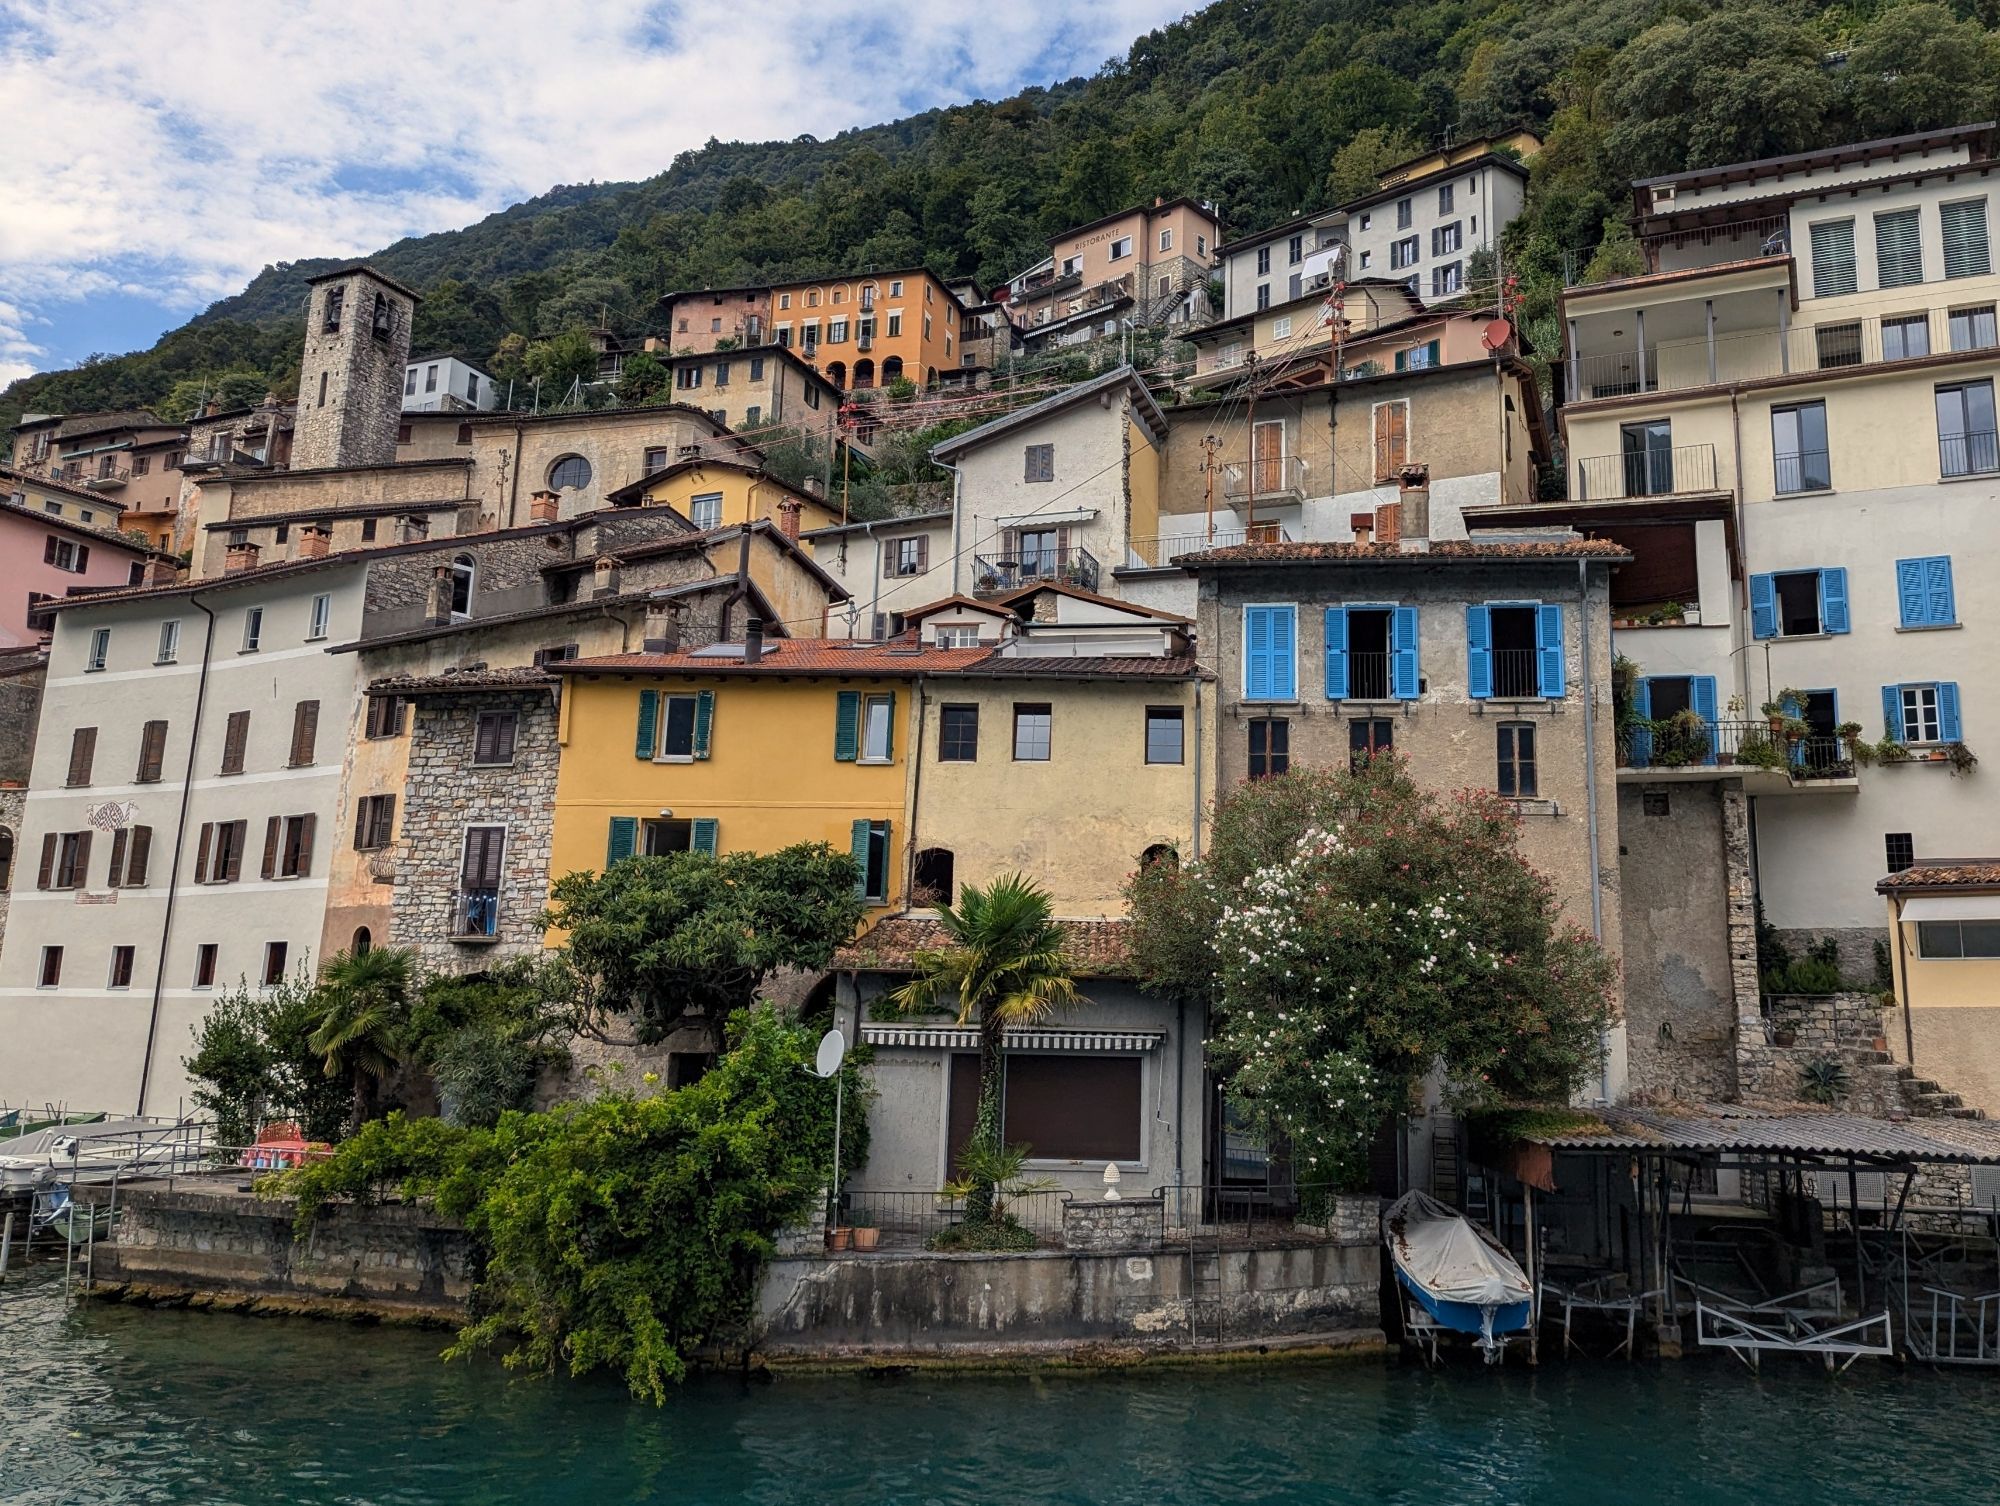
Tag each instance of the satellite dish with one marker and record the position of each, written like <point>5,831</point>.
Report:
<point>832,1047</point>
<point>1497,333</point>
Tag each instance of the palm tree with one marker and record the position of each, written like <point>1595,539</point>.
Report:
<point>365,998</point>
<point>1005,966</point>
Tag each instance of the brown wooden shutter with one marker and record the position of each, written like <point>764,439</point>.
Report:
<point>201,852</point>
<point>117,873</point>
<point>385,820</point>
<point>304,862</point>
<point>234,738</point>
<point>80,878</point>
<point>484,846</point>
<point>48,869</point>
<point>305,732</point>
<point>923,551</point>
<point>274,830</point>
<point>1392,439</point>
<point>152,752</point>
<point>239,832</point>
<point>137,857</point>
<point>82,752</point>
<point>362,809</point>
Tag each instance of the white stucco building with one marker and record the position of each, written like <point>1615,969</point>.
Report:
<point>445,382</point>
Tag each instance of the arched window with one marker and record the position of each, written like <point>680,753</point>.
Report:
<point>864,374</point>
<point>1160,852</point>
<point>362,942</point>
<point>463,571</point>
<point>892,370</point>
<point>933,877</point>
<point>836,373</point>
<point>6,859</point>
<point>570,472</point>
<point>930,376</point>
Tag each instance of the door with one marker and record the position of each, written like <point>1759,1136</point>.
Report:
<point>1040,552</point>
<point>1648,451</point>
<point>1267,459</point>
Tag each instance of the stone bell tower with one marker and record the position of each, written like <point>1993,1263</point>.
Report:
<point>351,377</point>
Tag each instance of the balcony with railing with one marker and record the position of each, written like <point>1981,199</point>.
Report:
<point>1517,674</point>
<point>1682,470</point>
<point>1158,552</point>
<point>1070,565</point>
<point>1267,479</point>
<point>101,473</point>
<point>1689,746</point>
<point>475,915</point>
<point>1976,453</point>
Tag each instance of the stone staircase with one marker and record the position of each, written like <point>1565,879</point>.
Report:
<point>1878,1083</point>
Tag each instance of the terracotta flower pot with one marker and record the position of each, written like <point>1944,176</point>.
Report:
<point>839,1239</point>
<point>867,1239</point>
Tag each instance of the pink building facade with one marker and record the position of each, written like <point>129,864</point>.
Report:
<point>43,556</point>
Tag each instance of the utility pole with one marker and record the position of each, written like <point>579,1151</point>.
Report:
<point>1250,468</point>
<point>846,468</point>
<point>1210,444</point>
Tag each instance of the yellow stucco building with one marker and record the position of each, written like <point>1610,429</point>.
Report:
<point>1944,954</point>
<point>715,493</point>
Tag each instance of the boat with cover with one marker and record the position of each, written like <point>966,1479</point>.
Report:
<point>1459,1274</point>
<point>96,1152</point>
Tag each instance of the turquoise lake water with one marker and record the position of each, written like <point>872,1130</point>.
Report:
<point>114,1405</point>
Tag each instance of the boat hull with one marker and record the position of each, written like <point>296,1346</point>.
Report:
<point>1466,1317</point>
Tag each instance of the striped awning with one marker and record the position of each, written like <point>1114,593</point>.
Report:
<point>936,1038</point>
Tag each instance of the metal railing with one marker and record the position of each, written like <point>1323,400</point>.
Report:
<point>1971,454</point>
<point>1802,471</point>
<point>1159,551</point>
<point>1672,743</point>
<point>1368,675</point>
<point>1516,673</point>
<point>912,1220</point>
<point>1646,473</point>
<point>1070,564</point>
<point>475,914</point>
<point>1275,476</point>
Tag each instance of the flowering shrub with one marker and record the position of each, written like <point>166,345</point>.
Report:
<point>1349,933</point>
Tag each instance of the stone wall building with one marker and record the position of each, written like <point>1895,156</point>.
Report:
<point>351,376</point>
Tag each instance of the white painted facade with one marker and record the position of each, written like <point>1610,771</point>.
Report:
<point>1449,216</point>
<point>1281,265</point>
<point>83,1038</point>
<point>890,566</point>
<point>446,382</point>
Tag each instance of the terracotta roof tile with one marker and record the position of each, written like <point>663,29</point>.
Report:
<point>791,656</point>
<point>1090,667</point>
<point>1077,593</point>
<point>515,677</point>
<point>1096,948</point>
<point>1456,551</point>
<point>1945,873</point>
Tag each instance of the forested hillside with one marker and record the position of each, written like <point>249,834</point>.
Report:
<point>1267,107</point>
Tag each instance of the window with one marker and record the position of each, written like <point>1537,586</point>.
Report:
<point>1270,746</point>
<point>1167,240</point>
<point>305,734</point>
<point>687,377</point>
<point>1924,593</point>
<point>204,965</point>
<point>464,576</point>
<point>374,822</point>
<point>1371,654</point>
<point>1517,760</point>
<point>958,734</point>
<point>1263,295</point>
<point>64,554</point>
<point>869,846</point>
<point>933,877</point>
<point>152,753</point>
<point>335,297</point>
<point>100,648</point>
<point>666,836</point>
<point>1367,736</point>
<point>1201,245</point>
<point>1964,227</point>
<point>1281,328</point>
<point>570,473</point>
<point>65,860</point>
<point>1447,280</point>
<point>1084,1108</point>
<point>1899,850</point>
<point>895,329</point>
<point>909,556</point>
<point>1392,439</point>
<point>958,637</point>
<point>82,753</point>
<point>1904,336</point>
<point>430,379</point>
<point>1833,258</point>
<point>677,736</point>
<point>253,629</point>
<point>1033,728</point>
<point>410,381</point>
<point>1955,938</point>
<point>121,968</point>
<point>784,300</point>
<point>464,435</point>
<point>235,738</point>
<point>368,530</point>
<point>1899,259</point>
<point>1972,328</point>
<point>218,854</point>
<point>1921,713</point>
<point>1447,239</point>
<point>402,430</point>
<point>1967,442</point>
<point>170,642</point>
<point>51,973</point>
<point>1263,261</point>
<point>321,616</point>
<point>477,912</point>
<point>274,963</point>
<point>493,737</point>
<point>1165,735</point>
<point>1798,603</point>
<point>1367,258</point>
<point>785,336</point>
<point>877,728</point>
<point>1403,253</point>
<point>705,511</point>
<point>1404,214</point>
<point>1270,636</point>
<point>1515,651</point>
<point>385,716</point>
<point>1038,462</point>
<point>1798,447</point>
<point>812,395</point>
<point>754,414</point>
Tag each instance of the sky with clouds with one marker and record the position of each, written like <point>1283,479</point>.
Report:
<point>176,148</point>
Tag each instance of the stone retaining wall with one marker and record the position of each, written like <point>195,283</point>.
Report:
<point>1127,1224</point>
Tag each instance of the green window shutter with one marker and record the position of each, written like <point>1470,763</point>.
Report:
<point>703,838</point>
<point>891,748</point>
<point>847,726</point>
<point>648,741</point>
<point>624,839</point>
<point>1965,251</point>
<point>858,847</point>
<point>704,719</point>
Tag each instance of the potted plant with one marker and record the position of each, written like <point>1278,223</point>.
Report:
<point>1849,733</point>
<point>839,1237</point>
<point>1774,717</point>
<point>1890,750</point>
<point>1960,757</point>
<point>866,1235</point>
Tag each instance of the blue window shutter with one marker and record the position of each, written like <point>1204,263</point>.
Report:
<point>1833,600</point>
<point>1701,696</point>
<point>1763,607</point>
<point>1892,712</point>
<point>1640,755</point>
<point>704,720</point>
<point>1284,653</point>
<point>624,838</point>
<point>1403,679</point>
<point>1948,711</point>
<point>1942,607</point>
<point>1336,653</point>
<point>857,845</point>
<point>847,726</point>
<point>1549,649</point>
<point>1257,653</point>
<point>648,740</point>
<point>1479,652</point>
<point>1911,602</point>
<point>703,838</point>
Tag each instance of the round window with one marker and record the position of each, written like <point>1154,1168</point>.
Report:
<point>570,471</point>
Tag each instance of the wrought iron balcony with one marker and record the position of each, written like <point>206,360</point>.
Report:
<point>1972,454</point>
<point>1517,674</point>
<point>475,915</point>
<point>1276,479</point>
<point>1071,565</point>
<point>1681,742</point>
<point>1647,473</point>
<point>1159,551</point>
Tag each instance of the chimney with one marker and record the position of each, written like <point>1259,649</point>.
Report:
<point>1415,500</point>
<point>1389,523</point>
<point>604,578</point>
<point>314,543</point>
<point>210,408</point>
<point>753,639</point>
<point>437,607</point>
<point>240,557</point>
<point>812,486</point>
<point>663,627</point>
<point>544,507</point>
<point>1363,524</point>
<point>160,573</point>
<point>788,517</point>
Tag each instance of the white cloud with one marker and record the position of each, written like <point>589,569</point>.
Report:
<point>178,149</point>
